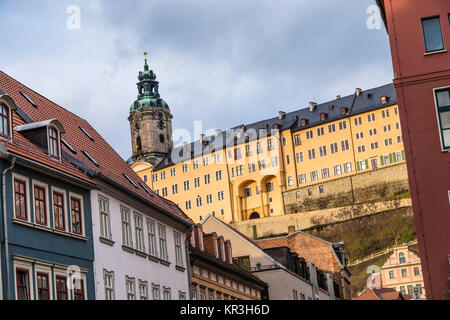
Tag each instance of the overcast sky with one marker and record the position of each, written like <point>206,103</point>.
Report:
<point>225,63</point>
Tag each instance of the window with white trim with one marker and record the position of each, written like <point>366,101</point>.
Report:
<point>152,246</point>
<point>167,294</point>
<point>143,290</point>
<point>162,242</point>
<point>139,232</point>
<point>127,239</point>
<point>131,288</point>
<point>108,278</point>
<point>178,249</point>
<point>5,123</point>
<point>105,223</point>
<point>156,292</point>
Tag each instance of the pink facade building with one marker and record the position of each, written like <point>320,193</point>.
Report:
<point>403,272</point>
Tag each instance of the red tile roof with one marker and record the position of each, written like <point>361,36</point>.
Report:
<point>380,294</point>
<point>111,165</point>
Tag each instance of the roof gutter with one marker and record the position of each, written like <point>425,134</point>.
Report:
<point>5,155</point>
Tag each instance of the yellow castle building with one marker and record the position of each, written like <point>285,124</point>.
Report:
<point>270,167</point>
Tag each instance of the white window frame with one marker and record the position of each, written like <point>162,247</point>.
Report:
<point>66,209</point>
<point>132,292</point>
<point>178,249</point>
<point>110,287</point>
<point>151,235</point>
<point>47,201</point>
<point>126,232</point>
<point>78,197</point>
<point>27,195</point>
<point>105,224</point>
<point>143,290</point>
<point>40,268</point>
<point>19,264</point>
<point>163,253</point>
<point>140,242</point>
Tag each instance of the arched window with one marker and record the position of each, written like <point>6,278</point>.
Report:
<point>161,138</point>
<point>138,144</point>
<point>4,121</point>
<point>254,216</point>
<point>401,257</point>
<point>53,142</point>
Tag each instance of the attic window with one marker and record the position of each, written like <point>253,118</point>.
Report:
<point>330,107</point>
<point>53,142</point>
<point>323,116</point>
<point>5,124</point>
<point>145,188</point>
<point>343,111</point>
<point>28,99</point>
<point>384,99</point>
<point>68,146</point>
<point>130,181</point>
<point>304,122</point>
<point>87,134</point>
<point>90,158</point>
<point>369,95</point>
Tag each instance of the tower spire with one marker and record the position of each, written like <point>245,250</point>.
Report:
<point>150,120</point>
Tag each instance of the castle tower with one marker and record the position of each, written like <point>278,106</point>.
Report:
<point>150,121</point>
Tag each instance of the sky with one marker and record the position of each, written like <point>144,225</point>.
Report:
<point>224,63</point>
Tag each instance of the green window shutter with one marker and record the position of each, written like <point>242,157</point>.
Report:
<point>403,155</point>
<point>367,164</point>
<point>357,166</point>
<point>394,157</point>
<point>382,160</point>
<point>390,158</point>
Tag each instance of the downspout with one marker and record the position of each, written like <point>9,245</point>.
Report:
<point>188,261</point>
<point>5,226</point>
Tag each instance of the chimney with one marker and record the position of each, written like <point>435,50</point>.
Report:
<point>198,230</point>
<point>221,245</point>
<point>211,244</point>
<point>228,252</point>
<point>281,115</point>
<point>191,236</point>
<point>338,97</point>
<point>358,92</point>
<point>312,106</point>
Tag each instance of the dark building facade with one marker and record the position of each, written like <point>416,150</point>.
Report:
<point>419,34</point>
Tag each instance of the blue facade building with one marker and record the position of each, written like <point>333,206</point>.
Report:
<point>46,249</point>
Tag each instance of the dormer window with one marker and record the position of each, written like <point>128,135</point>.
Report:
<point>7,105</point>
<point>5,121</point>
<point>45,134</point>
<point>384,100</point>
<point>53,142</point>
